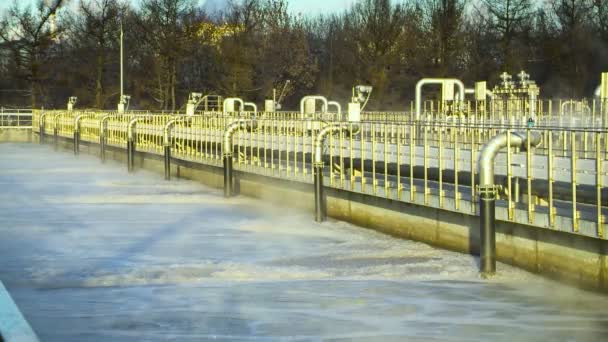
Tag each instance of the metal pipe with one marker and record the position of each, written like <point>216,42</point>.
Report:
<point>41,128</point>
<point>313,97</point>
<point>77,134</point>
<point>131,143</point>
<point>338,107</point>
<point>242,124</point>
<point>234,99</point>
<point>103,127</point>
<point>167,145</point>
<point>487,191</point>
<point>320,203</point>
<point>440,81</point>
<point>56,130</point>
<point>253,106</point>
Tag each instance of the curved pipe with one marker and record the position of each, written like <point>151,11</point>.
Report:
<point>337,106</point>
<point>41,127</point>
<point>131,126</point>
<point>572,104</point>
<point>103,127</point>
<point>235,99</point>
<point>252,105</point>
<point>324,133</point>
<point>56,121</point>
<point>77,133</point>
<point>313,97</point>
<point>167,130</point>
<point>441,81</point>
<point>56,129</point>
<point>41,119</point>
<point>492,147</point>
<point>77,122</point>
<point>320,205</point>
<point>167,143</point>
<point>487,192</point>
<point>131,142</point>
<point>103,123</point>
<point>241,124</point>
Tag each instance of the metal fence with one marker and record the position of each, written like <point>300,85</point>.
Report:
<point>558,185</point>
<point>15,118</point>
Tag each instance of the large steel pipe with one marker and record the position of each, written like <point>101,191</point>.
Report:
<point>41,128</point>
<point>103,139</point>
<point>439,81</point>
<point>227,149</point>
<point>56,131</point>
<point>320,202</point>
<point>487,192</point>
<point>131,143</point>
<point>167,144</point>
<point>77,134</point>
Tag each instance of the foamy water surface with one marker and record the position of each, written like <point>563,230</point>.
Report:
<point>91,253</point>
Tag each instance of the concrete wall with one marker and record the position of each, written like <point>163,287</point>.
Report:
<point>17,135</point>
<point>567,257</point>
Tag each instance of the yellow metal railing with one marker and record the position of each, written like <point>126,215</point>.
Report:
<point>557,185</point>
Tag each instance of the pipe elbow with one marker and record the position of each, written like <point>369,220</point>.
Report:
<point>77,122</point>
<point>326,131</point>
<point>131,128</point>
<point>234,127</point>
<point>167,131</point>
<point>491,149</point>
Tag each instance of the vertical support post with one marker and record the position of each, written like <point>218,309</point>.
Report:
<point>102,144</point>
<point>131,154</point>
<point>167,162</point>
<point>56,137</point>
<point>598,185</point>
<point>76,142</point>
<point>487,248</point>
<point>573,180</point>
<point>320,204</point>
<point>41,132</point>
<point>227,174</point>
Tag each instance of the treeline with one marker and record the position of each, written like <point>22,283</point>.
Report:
<point>54,50</point>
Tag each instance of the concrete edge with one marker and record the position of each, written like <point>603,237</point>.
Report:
<point>13,326</point>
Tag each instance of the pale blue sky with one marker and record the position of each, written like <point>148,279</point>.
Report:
<point>297,6</point>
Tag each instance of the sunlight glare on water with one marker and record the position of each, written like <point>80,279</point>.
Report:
<point>91,253</point>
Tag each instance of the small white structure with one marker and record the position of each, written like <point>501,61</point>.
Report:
<point>193,101</point>
<point>123,104</point>
<point>71,103</point>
